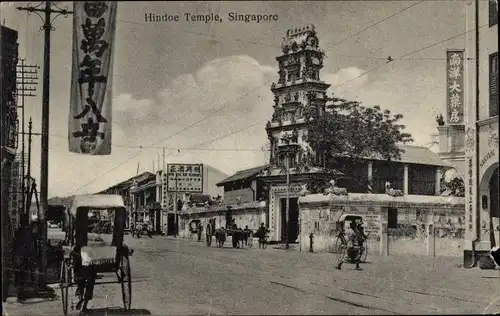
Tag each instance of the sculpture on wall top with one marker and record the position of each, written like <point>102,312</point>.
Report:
<point>303,190</point>
<point>334,189</point>
<point>392,192</point>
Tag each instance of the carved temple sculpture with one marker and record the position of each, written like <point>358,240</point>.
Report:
<point>295,136</point>
<point>290,101</point>
<point>288,97</point>
<point>281,73</point>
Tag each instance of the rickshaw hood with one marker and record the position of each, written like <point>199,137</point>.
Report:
<point>96,201</point>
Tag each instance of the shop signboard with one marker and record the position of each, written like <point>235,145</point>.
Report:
<point>185,178</point>
<point>455,86</point>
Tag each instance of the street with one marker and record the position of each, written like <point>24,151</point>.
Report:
<point>185,277</point>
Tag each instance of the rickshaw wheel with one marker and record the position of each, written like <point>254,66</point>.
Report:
<point>64,285</point>
<point>125,278</point>
<point>364,255</point>
<point>340,249</point>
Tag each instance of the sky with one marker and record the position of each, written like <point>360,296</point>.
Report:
<point>186,85</point>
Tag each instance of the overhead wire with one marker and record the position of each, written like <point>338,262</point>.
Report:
<point>220,109</point>
<point>374,24</point>
<point>181,131</point>
<point>195,146</point>
<point>390,60</point>
<point>172,148</point>
<point>248,41</point>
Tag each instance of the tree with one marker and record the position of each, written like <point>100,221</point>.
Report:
<point>453,183</point>
<point>347,133</point>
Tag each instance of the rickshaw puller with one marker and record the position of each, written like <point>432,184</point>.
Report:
<point>354,246</point>
<point>85,286</point>
<point>85,275</point>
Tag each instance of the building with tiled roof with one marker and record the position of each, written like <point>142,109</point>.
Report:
<point>481,110</point>
<point>270,193</point>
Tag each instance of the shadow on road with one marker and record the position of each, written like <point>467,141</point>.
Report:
<point>115,311</point>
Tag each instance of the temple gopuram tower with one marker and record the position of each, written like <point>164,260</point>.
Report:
<point>298,93</point>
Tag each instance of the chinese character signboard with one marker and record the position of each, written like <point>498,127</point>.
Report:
<point>469,207</point>
<point>94,25</point>
<point>15,193</point>
<point>185,178</point>
<point>455,86</point>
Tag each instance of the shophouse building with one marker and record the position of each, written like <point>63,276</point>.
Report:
<point>10,184</point>
<point>481,121</point>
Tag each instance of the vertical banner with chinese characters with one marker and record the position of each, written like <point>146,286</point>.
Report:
<point>455,86</point>
<point>470,183</point>
<point>94,25</point>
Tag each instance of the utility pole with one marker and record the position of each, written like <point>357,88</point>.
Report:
<point>162,189</point>
<point>44,165</point>
<point>26,88</point>
<point>175,208</point>
<point>30,140</point>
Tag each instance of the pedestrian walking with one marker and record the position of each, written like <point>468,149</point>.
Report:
<point>261,234</point>
<point>246,234</point>
<point>145,228</point>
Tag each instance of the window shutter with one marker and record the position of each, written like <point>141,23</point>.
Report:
<point>493,13</point>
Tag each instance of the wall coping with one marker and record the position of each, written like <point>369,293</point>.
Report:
<point>383,200</point>
<point>254,205</point>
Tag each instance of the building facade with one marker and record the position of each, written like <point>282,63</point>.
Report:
<point>9,143</point>
<point>184,183</point>
<point>292,160</point>
<point>145,207</point>
<point>481,149</point>
<point>260,194</point>
<point>123,189</point>
<point>243,203</point>
<point>299,90</point>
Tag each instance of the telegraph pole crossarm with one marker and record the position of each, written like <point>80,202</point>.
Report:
<point>47,23</point>
<point>47,20</point>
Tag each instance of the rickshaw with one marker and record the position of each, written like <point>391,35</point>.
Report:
<point>219,234</point>
<point>341,248</point>
<point>84,258</point>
